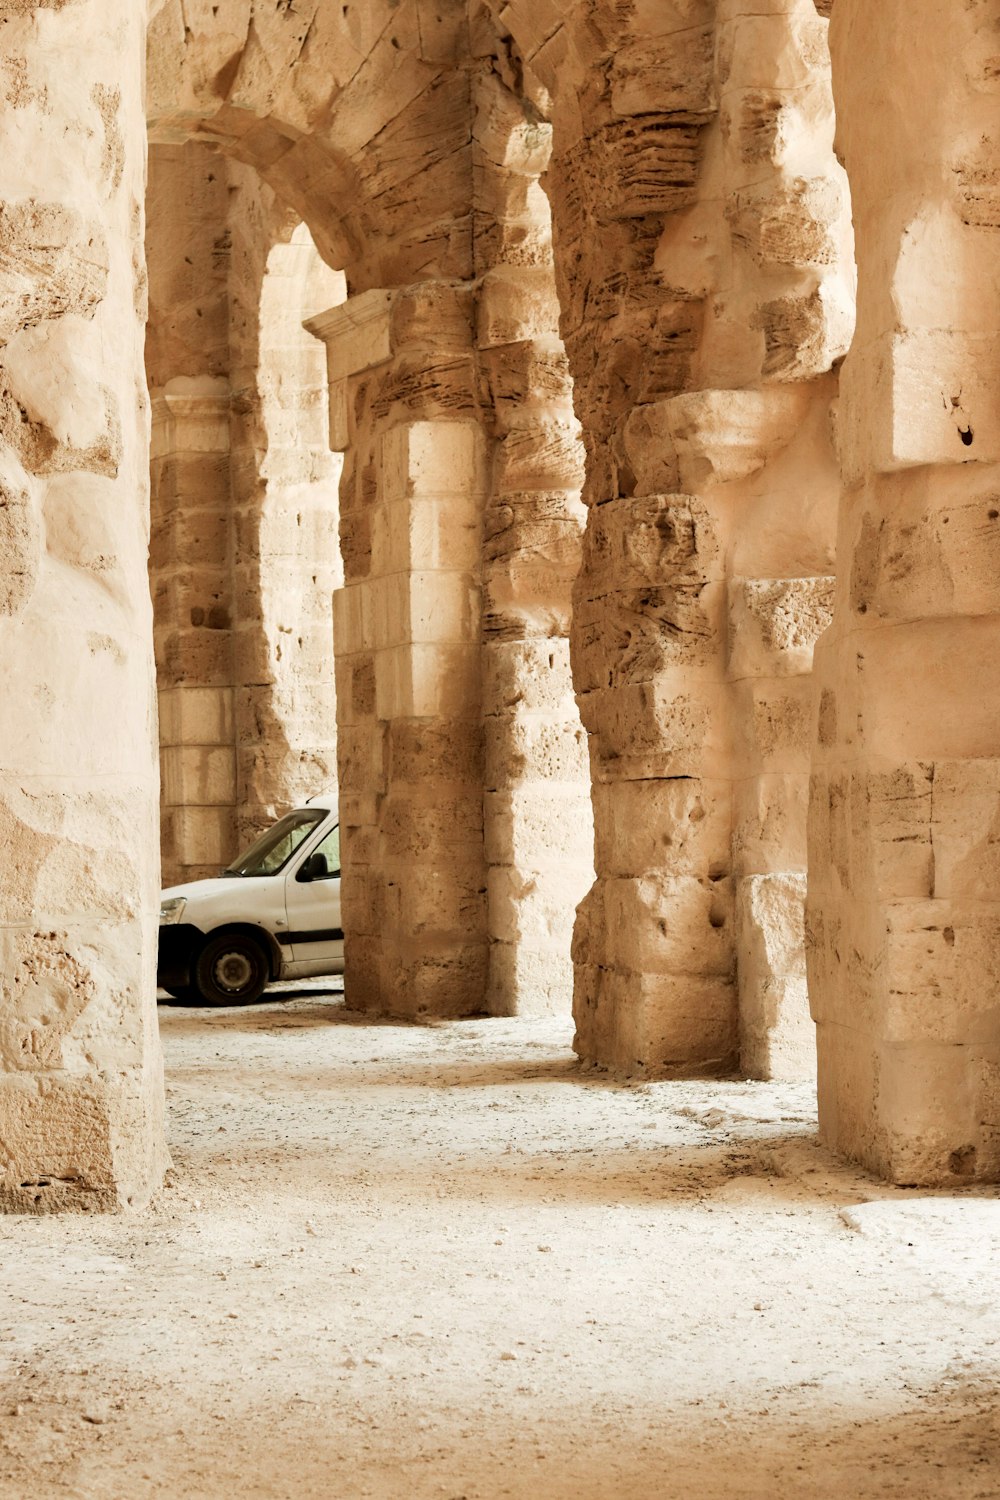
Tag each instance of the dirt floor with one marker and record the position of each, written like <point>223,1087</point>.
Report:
<point>403,1262</point>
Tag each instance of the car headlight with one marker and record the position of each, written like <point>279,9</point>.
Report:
<point>172,911</point>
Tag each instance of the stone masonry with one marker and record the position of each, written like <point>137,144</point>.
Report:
<point>81,1093</point>
<point>521,416</point>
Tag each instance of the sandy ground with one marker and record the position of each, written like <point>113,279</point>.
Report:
<point>405,1262</point>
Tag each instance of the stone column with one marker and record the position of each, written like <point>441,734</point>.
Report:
<point>80,1081</point>
<point>903,910</point>
<point>188,247</point>
<point>407,640</point>
<point>701,231</point>
<point>781,318</point>
<point>539,826</point>
<point>190,574</point>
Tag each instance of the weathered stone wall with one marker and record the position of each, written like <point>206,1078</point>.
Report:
<point>538,821</point>
<point>187,360</point>
<point>702,254</point>
<point>904,950</point>
<point>80,1082</point>
<point>245,551</point>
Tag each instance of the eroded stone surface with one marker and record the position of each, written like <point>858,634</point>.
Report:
<point>902,921</point>
<point>80,1081</point>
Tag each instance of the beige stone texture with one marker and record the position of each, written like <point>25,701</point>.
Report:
<point>902,926</point>
<point>245,551</point>
<point>81,1097</point>
<point>507,474</point>
<point>703,258</point>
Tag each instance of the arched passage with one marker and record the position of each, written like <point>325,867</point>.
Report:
<point>244,546</point>
<point>462,766</point>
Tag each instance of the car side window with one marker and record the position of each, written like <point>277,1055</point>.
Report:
<point>330,849</point>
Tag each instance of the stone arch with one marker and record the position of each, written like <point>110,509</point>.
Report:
<point>355,116</point>
<point>245,548</point>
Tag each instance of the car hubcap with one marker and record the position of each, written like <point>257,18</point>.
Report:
<point>233,972</point>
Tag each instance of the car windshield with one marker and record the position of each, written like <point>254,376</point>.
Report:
<point>274,849</point>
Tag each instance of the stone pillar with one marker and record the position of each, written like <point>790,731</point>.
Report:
<point>780,320</point>
<point>188,252</point>
<point>190,572</point>
<point>903,910</point>
<point>539,826</point>
<point>701,244</point>
<point>80,1081</point>
<point>407,640</point>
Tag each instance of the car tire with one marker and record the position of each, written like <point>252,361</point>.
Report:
<point>231,969</point>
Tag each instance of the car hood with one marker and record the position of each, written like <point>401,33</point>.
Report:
<point>219,885</point>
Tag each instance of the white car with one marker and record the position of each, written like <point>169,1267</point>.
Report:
<point>273,914</point>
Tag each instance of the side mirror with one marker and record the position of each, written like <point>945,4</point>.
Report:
<point>315,868</point>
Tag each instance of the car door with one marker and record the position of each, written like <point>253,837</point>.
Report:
<point>314,935</point>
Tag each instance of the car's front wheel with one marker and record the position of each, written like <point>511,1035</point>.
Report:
<point>231,969</point>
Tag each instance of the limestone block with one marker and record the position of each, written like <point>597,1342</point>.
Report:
<point>546,456</point>
<point>440,607</point>
<point>55,378</point>
<point>657,729</point>
<point>774,725</point>
<point>426,534</point>
<point>923,397</point>
<point>916,1113</point>
<point>774,624</point>
<point>902,665</point>
<point>205,836</point>
<point>531,676</point>
<point>965,830</point>
<point>191,415</point>
<point>20,536</point>
<point>653,539</point>
<point>506,137</point>
<point>777,1037</point>
<point>652,158</point>
<point>533,911</point>
<point>936,948</point>
<point>662,924</point>
<point>196,716</point>
<point>729,435</point>
<point>535,746</point>
<point>527,377</point>
<point>655,1026</point>
<point>678,826</point>
<point>432,315</point>
<point>634,635</point>
<point>673,72</point>
<point>52,262</point>
<point>433,460</point>
<point>794,224</point>
<point>443,983</point>
<point>199,775</point>
<point>427,681</point>
<point>649,449</point>
<point>936,554</point>
<point>424,750</point>
<point>516,304</point>
<point>356,333</point>
<point>449,825</point>
<point>439,902</point>
<point>530,828</point>
<point>769,822</point>
<point>526,981</point>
